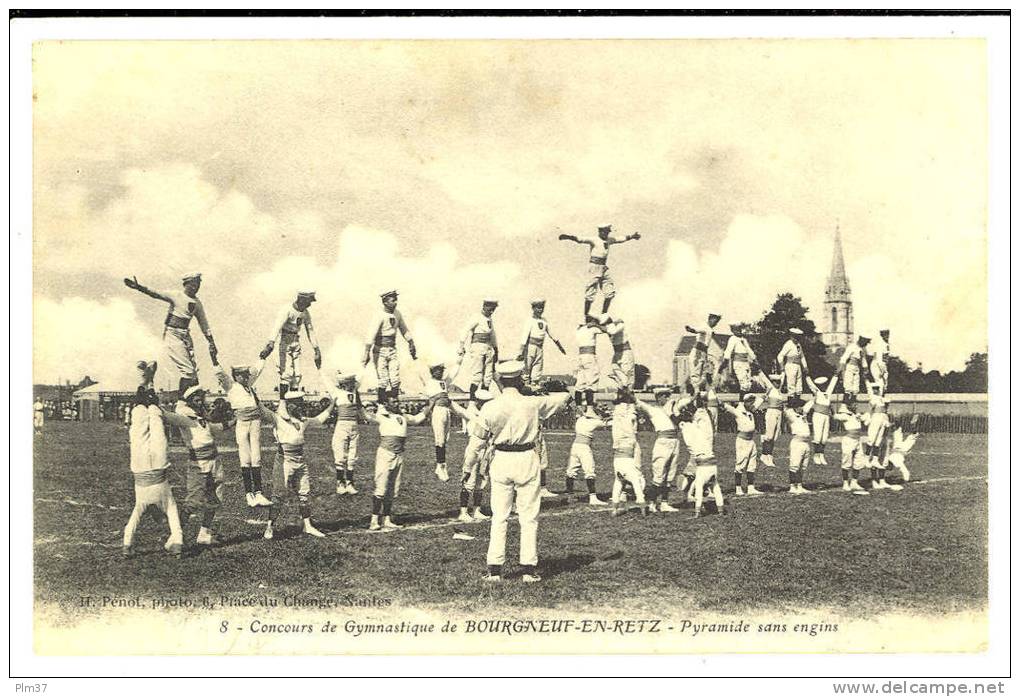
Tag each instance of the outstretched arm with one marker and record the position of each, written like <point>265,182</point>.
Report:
<point>572,238</point>
<point>277,328</point>
<point>621,240</point>
<point>135,285</point>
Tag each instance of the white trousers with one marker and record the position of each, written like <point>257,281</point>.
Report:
<point>441,425</point>
<point>345,443</point>
<point>249,442</point>
<point>514,476</point>
<point>581,460</point>
<point>534,363</point>
<point>162,497</point>
<point>628,470</point>
<point>703,474</point>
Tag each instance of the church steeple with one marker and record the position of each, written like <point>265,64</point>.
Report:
<point>838,322</point>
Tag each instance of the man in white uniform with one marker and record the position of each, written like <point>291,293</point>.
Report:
<point>287,330</point>
<point>389,458</point>
<point>532,352</point>
<point>746,450</point>
<point>797,414</point>
<point>902,442</point>
<point>581,458</point>
<point>290,424</point>
<point>626,453</point>
<point>850,445</point>
<point>205,478</point>
<point>477,458</point>
<point>698,434</point>
<point>511,422</point>
<point>347,406</point>
<point>587,376</point>
<point>702,370</point>
<point>851,365</point>
<point>38,416</point>
<point>184,304</point>
<point>381,346</point>
<point>243,399</point>
<point>623,365</point>
<point>149,465</point>
<point>740,358</point>
<point>598,269</point>
<point>480,347</point>
<point>665,451</point>
<point>877,426</point>
<point>792,363</point>
<point>879,357</point>
<point>437,386</point>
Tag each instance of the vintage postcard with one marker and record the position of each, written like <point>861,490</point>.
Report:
<point>510,346</point>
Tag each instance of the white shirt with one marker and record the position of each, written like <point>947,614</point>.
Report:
<point>599,248</point>
<point>196,431</point>
<point>535,330</point>
<point>738,344</point>
<point>384,327</point>
<point>291,431</point>
<point>790,349</point>
<point>698,435</point>
<point>585,426</point>
<point>239,396</point>
<point>482,328</point>
<point>853,353</point>
<point>879,349</point>
<point>702,339</point>
<point>624,424</point>
<point>184,306</point>
<point>901,444</point>
<point>290,321</point>
<point>799,425</point>
<point>659,416</point>
<point>586,336</point>
<point>513,419</point>
<point>346,401</point>
<point>617,336</point>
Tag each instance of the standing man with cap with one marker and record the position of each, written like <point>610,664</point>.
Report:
<point>879,355</point>
<point>243,399</point>
<point>290,424</point>
<point>348,407</point>
<point>533,345</point>
<point>477,457</point>
<point>739,356</point>
<point>437,389</point>
<point>745,448</point>
<point>381,346</point>
<point>665,451</point>
<point>598,269</point>
<point>184,304</point>
<point>511,422</point>
<point>701,366</point>
<point>287,330</point>
<point>205,477</point>
<point>389,458</point>
<point>623,365</point>
<point>792,362</point>
<point>581,458</point>
<point>850,365</point>
<point>479,343</point>
<point>587,375</point>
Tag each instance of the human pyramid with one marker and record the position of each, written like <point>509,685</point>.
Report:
<point>506,404</point>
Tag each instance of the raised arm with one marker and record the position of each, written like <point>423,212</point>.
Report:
<point>323,416</point>
<point>226,382</point>
<point>552,404</point>
<point>764,381</point>
<point>274,335</point>
<point>175,419</point>
<point>621,240</point>
<point>135,285</point>
<point>573,238</point>
<point>730,408</point>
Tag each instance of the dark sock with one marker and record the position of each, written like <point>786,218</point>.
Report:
<point>256,479</point>
<point>387,506</point>
<point>541,479</point>
<point>464,496</point>
<point>766,447</point>
<point>471,391</point>
<point>577,398</point>
<point>846,475</point>
<point>477,498</point>
<point>605,305</point>
<point>246,478</point>
<point>495,570</point>
<point>527,569</point>
<point>207,518</point>
<point>688,480</point>
<point>570,485</point>
<point>306,510</point>
<point>590,483</point>
<point>736,479</point>
<point>750,478</point>
<point>341,476</point>
<point>587,307</point>
<point>589,397</point>
<point>350,476</point>
<point>284,387</point>
<point>376,505</point>
<point>440,454</point>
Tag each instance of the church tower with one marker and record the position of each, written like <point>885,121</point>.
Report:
<point>837,325</point>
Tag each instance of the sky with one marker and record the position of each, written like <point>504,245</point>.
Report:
<point>447,169</point>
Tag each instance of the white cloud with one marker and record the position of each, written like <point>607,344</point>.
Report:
<point>74,337</point>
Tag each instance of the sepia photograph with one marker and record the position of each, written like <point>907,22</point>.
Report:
<point>487,346</point>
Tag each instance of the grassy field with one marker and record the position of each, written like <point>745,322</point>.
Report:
<point>921,550</point>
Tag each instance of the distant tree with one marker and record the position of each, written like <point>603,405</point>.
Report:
<point>768,335</point>
<point>641,376</point>
<point>975,375</point>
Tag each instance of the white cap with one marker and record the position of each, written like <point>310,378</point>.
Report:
<point>194,276</point>
<point>388,293</point>
<point>490,301</point>
<point>310,294</point>
<point>343,376</point>
<point>821,380</point>
<point>537,301</point>
<point>796,331</point>
<point>436,364</point>
<point>194,389</point>
<point>483,395</point>
<point>294,394</point>
<point>510,369</point>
